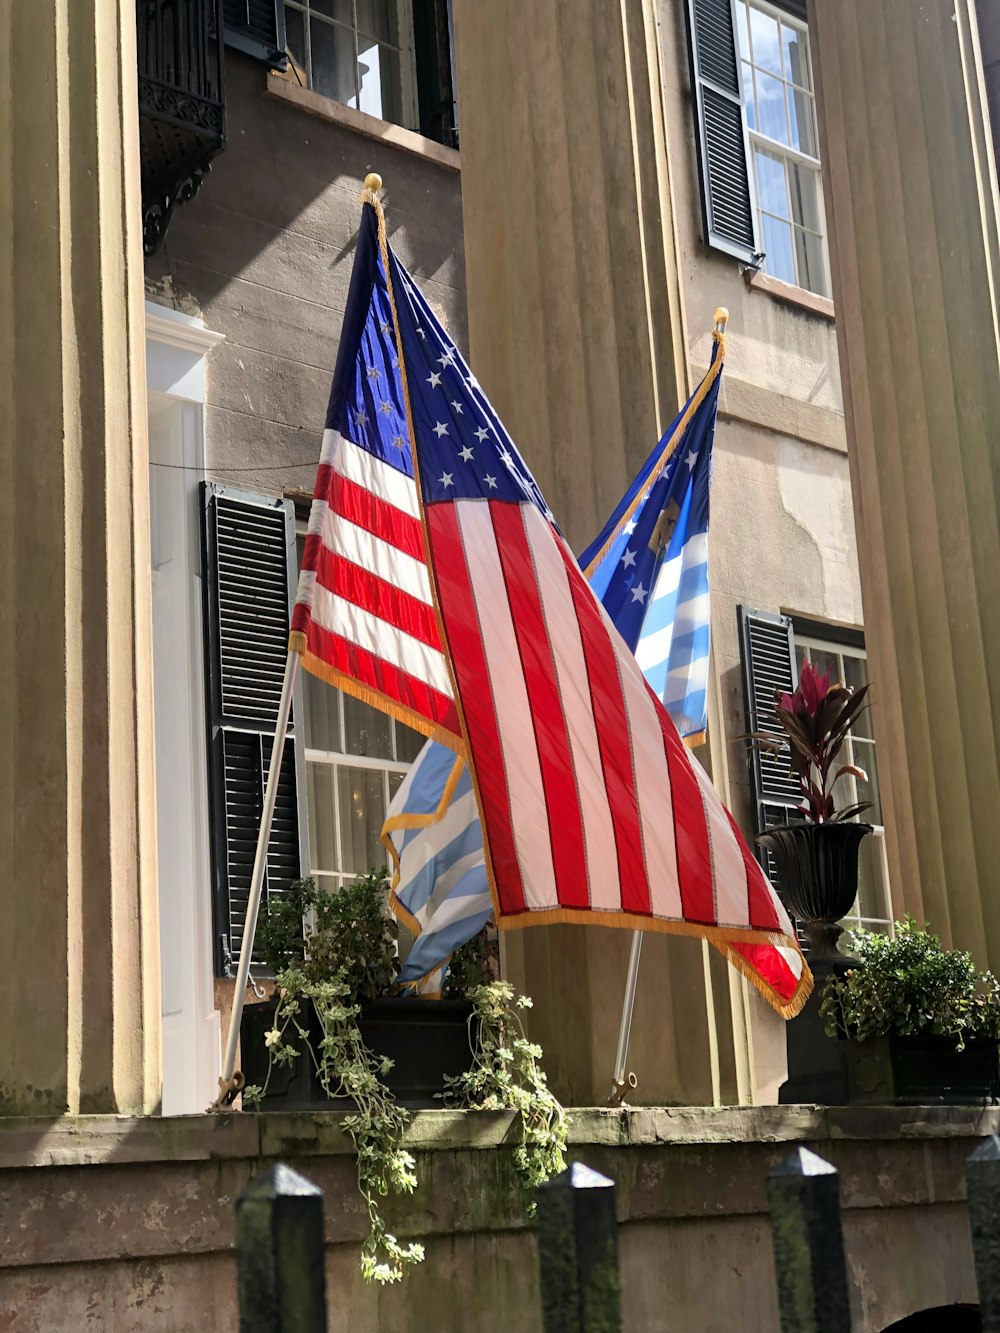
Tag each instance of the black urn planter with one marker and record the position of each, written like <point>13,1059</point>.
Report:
<point>921,1071</point>
<point>425,1039</point>
<point>817,869</point>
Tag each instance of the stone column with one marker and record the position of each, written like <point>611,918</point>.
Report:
<point>79,980</point>
<point>911,200</point>
<point>576,332</point>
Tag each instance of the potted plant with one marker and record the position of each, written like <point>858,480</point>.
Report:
<point>333,1037</point>
<point>918,1024</point>
<point>816,858</point>
<point>309,938</point>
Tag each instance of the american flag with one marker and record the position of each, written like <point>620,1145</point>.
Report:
<point>591,807</point>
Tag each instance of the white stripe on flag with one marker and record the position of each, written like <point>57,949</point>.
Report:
<point>364,469</point>
<point>652,782</point>
<point>571,674</point>
<point>424,844</point>
<point>377,636</point>
<point>731,897</point>
<point>381,558</point>
<point>529,823</point>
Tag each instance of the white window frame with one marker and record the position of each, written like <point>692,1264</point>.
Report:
<point>403,47</point>
<point>775,147</point>
<point>847,787</point>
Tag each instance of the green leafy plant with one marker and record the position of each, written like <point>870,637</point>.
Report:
<point>817,720</point>
<point>347,954</point>
<point>909,984</point>
<point>506,1075</point>
<point>476,963</point>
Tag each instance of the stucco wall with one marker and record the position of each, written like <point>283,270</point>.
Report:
<point>127,1226</point>
<point>264,256</point>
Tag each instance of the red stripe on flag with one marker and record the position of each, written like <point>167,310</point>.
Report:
<point>768,963</point>
<point>373,594</point>
<point>460,617</point>
<point>359,505</point>
<point>691,837</point>
<point>378,674</point>
<point>555,756</point>
<point>613,738</point>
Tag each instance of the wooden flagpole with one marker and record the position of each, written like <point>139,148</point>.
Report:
<point>231,1082</point>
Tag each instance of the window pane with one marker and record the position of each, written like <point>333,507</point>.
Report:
<point>812,268</point>
<point>822,659</point>
<point>778,248</point>
<point>361,801</point>
<point>378,68</point>
<point>295,36</point>
<point>395,782</point>
<point>368,730</point>
<point>328,883</point>
<point>856,675</point>
<point>322,709</point>
<point>802,110</point>
<point>764,32</point>
<point>748,98</point>
<point>804,187</point>
<point>770,107</point>
<point>796,53</point>
<point>741,30</point>
<point>864,757</point>
<point>409,743</point>
<point>377,18</point>
<point>322,838</point>
<point>341,10</point>
<point>873,900</point>
<point>771,184</point>
<point>333,66</point>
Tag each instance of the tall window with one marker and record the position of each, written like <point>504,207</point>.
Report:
<point>784,143</point>
<point>872,908</point>
<point>356,757</point>
<point>379,57</point>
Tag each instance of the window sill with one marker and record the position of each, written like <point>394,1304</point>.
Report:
<point>785,291</point>
<point>288,89</point>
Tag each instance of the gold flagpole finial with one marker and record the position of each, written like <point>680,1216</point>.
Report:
<point>721,316</point>
<point>373,182</point>
<point>369,195</point>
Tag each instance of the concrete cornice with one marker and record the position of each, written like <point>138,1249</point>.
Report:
<point>165,325</point>
<point>102,1140</point>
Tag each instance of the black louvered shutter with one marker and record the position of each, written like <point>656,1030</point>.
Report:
<point>767,649</point>
<point>257,28</point>
<point>249,562</point>
<point>720,128</point>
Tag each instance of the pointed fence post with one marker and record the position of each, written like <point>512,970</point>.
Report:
<point>803,1200</point>
<point>578,1253</point>
<point>982,1178</point>
<point>279,1254</point>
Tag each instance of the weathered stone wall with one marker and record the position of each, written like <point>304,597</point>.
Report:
<point>264,256</point>
<point>127,1225</point>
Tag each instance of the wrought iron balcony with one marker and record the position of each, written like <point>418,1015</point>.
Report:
<point>182,108</point>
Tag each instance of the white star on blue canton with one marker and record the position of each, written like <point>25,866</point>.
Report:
<point>465,454</point>
<point>491,482</point>
<point>638,593</point>
<point>386,327</point>
<point>435,379</point>
<point>629,527</point>
<point>472,382</point>
<point>385,407</point>
<point>628,559</point>
<point>398,442</point>
<point>448,359</point>
<point>506,459</point>
<point>440,429</point>
<point>481,434</point>
<point>421,333</point>
<point>361,418</point>
<point>446,479</point>
<point>458,408</point>
<point>691,458</point>
<point>374,373</point>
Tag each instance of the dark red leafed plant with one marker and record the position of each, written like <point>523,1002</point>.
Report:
<point>817,719</point>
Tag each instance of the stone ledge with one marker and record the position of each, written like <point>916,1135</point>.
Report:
<point>99,1140</point>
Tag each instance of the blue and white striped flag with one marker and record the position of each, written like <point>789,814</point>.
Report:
<point>649,566</point>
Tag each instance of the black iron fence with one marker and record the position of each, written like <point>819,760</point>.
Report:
<point>279,1240</point>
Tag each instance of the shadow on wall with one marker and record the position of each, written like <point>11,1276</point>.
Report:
<point>942,1319</point>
